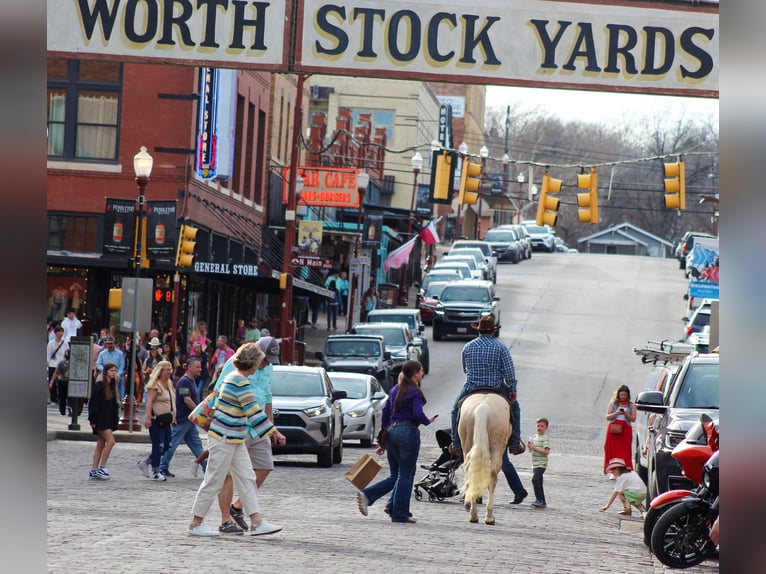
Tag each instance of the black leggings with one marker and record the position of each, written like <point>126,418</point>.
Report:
<point>537,483</point>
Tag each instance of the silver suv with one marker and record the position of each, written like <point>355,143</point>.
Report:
<point>541,236</point>
<point>399,342</point>
<point>486,249</point>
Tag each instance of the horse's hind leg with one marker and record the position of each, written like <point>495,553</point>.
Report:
<point>474,515</point>
<point>489,517</point>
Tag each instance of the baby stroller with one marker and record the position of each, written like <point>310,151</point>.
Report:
<point>439,483</point>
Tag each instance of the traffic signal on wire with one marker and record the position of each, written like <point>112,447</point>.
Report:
<point>675,185</point>
<point>548,206</point>
<point>115,299</point>
<point>587,203</point>
<point>187,240</point>
<point>470,179</point>
<point>443,164</point>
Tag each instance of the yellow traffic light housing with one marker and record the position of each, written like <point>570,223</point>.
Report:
<point>187,240</point>
<point>284,281</point>
<point>588,202</point>
<point>675,185</point>
<point>548,206</point>
<point>115,299</point>
<point>470,179</point>
<point>443,164</point>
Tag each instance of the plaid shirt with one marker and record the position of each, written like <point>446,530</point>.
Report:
<point>487,363</point>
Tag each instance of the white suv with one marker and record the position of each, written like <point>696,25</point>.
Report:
<point>541,236</point>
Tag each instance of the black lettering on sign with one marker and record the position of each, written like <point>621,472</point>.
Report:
<point>652,33</point>
<point>331,31</point>
<point>584,47</point>
<point>367,15</point>
<point>705,59</point>
<point>432,36</point>
<point>549,44</point>
<point>413,38</point>
<point>472,40</point>
<point>178,21</point>
<point>100,12</point>
<point>240,22</point>
<point>208,41</point>
<point>152,21</point>
<point>616,31</point>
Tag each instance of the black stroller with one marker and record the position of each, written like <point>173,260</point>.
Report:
<point>439,483</point>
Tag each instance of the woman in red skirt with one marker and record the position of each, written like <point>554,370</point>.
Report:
<point>620,413</point>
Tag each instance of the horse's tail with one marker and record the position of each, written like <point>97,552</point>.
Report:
<point>477,464</point>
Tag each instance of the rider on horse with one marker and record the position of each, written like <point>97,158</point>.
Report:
<point>487,364</point>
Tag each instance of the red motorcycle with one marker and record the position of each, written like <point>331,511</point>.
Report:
<point>692,453</point>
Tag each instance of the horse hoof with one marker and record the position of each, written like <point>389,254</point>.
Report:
<point>473,520</point>
<point>490,522</point>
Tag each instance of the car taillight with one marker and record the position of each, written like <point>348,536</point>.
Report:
<point>689,330</point>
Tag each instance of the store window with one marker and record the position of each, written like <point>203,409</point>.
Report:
<point>83,109</point>
<point>72,233</point>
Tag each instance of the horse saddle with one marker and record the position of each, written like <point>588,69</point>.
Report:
<point>484,390</point>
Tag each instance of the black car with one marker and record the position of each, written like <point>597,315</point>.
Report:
<point>461,304</point>
<point>693,391</point>
<point>364,354</point>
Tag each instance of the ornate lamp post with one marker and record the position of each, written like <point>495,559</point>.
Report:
<point>417,164</point>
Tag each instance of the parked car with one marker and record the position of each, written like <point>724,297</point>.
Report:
<point>476,273</point>
<point>693,390</point>
<point>442,275</point>
<point>363,406</point>
<point>429,299</point>
<point>399,342</point>
<point>459,266</point>
<point>541,236</point>
<point>413,319</point>
<point>365,354</point>
<point>307,411</point>
<point>686,244</point>
<point>524,237</point>
<point>486,249</point>
<point>505,242</point>
<point>461,304</point>
<point>481,261</point>
<point>698,320</point>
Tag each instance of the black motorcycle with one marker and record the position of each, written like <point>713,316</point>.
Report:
<point>680,538</point>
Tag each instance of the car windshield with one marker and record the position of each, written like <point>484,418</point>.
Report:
<point>354,389</point>
<point>393,337</point>
<point>483,246</point>
<point>431,277</point>
<point>435,289</point>
<point>352,349</point>
<point>292,384</point>
<point>536,229</point>
<point>699,389</point>
<point>499,236</point>
<point>464,273</point>
<point>408,318</point>
<point>468,260</point>
<point>464,293</point>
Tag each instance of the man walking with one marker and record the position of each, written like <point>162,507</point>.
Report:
<point>487,363</point>
<point>71,324</point>
<point>221,354</point>
<point>109,354</point>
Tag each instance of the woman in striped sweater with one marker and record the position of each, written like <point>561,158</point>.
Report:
<point>237,416</point>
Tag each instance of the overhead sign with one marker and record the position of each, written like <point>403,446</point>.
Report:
<point>704,268</point>
<point>161,232</point>
<point>119,226</point>
<point>605,45</point>
<point>311,261</point>
<point>325,187</point>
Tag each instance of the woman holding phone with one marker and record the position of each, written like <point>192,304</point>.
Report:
<point>620,414</point>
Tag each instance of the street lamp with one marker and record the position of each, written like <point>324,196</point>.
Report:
<point>506,182</point>
<point>362,181</point>
<point>142,167</point>
<point>483,154</point>
<point>463,149</point>
<point>520,179</point>
<point>417,164</point>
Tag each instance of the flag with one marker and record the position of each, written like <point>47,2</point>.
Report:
<point>399,256</point>
<point>429,234</point>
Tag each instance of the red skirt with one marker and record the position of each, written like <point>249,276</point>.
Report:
<point>619,445</point>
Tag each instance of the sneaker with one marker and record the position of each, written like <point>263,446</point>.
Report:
<point>202,530</point>
<point>194,468</point>
<point>230,529</point>
<point>539,504</point>
<point>159,477</point>
<point>167,473</point>
<point>362,502</point>
<point>238,515</point>
<point>93,475</point>
<point>144,467</point>
<point>264,528</point>
<point>519,498</point>
<point>103,473</point>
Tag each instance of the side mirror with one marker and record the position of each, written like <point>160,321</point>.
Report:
<point>319,355</point>
<point>651,401</point>
<point>338,395</point>
<point>378,396</point>
<point>387,355</point>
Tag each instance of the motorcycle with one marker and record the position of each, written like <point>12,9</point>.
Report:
<point>680,538</point>
<point>692,453</point>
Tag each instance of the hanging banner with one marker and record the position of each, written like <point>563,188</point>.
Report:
<point>119,227</point>
<point>161,233</point>
<point>373,228</point>
<point>704,268</point>
<point>309,236</point>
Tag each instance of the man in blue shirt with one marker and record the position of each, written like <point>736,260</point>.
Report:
<point>109,354</point>
<point>487,363</point>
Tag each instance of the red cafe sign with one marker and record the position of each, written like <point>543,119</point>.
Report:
<point>325,186</point>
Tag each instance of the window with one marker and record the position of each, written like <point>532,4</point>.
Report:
<point>83,109</point>
<point>72,233</point>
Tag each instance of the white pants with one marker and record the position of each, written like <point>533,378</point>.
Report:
<point>226,458</point>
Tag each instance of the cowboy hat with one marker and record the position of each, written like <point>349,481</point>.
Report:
<point>615,463</point>
<point>155,342</point>
<point>486,325</point>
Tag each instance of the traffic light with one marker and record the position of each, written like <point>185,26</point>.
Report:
<point>588,202</point>
<point>443,164</point>
<point>470,179</point>
<point>548,206</point>
<point>284,281</point>
<point>675,185</point>
<point>186,242</point>
<point>115,299</point>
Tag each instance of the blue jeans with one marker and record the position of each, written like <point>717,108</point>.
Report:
<point>516,426</point>
<point>160,443</point>
<point>187,432</point>
<point>511,475</point>
<point>402,450</point>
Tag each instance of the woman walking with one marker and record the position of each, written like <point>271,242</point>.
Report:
<point>402,414</point>
<point>238,416</point>
<point>618,443</point>
<point>160,416</point>
<point>104,416</point>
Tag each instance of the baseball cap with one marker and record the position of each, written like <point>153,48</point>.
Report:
<point>270,347</point>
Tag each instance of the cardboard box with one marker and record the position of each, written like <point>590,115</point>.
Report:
<point>363,471</point>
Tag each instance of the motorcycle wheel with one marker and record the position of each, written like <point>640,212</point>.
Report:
<point>650,520</point>
<point>680,537</point>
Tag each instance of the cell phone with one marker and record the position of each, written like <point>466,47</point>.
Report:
<point>436,416</point>
<point>622,409</point>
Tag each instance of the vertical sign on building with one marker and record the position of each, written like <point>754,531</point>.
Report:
<point>119,226</point>
<point>161,229</point>
<point>207,137</point>
<point>445,125</point>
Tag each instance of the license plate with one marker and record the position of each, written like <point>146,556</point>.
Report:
<point>462,329</point>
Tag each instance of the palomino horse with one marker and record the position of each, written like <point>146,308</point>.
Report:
<point>484,429</point>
